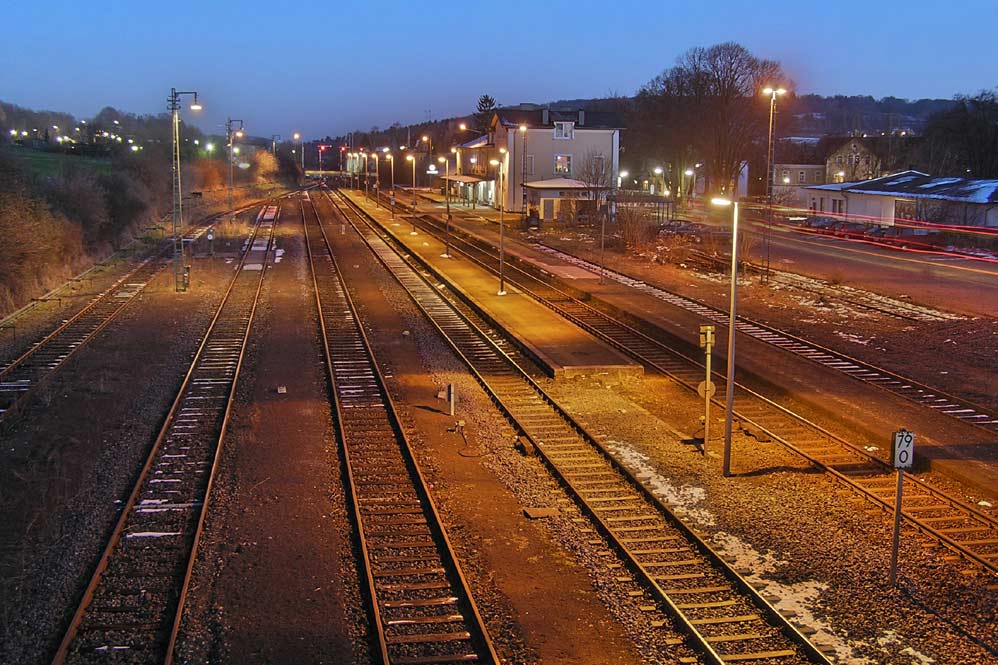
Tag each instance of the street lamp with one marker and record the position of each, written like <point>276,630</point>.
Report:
<point>523,170</point>
<point>301,146</point>
<point>693,183</point>
<point>730,381</point>
<point>173,105</point>
<point>273,143</point>
<point>773,93</point>
<point>229,135</point>
<point>658,171</point>
<point>412,158</point>
<point>391,198</point>
<point>377,180</point>
<point>502,234</point>
<point>620,177</point>
<point>446,163</point>
<point>429,144</point>
<point>322,149</point>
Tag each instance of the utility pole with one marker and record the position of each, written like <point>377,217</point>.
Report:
<point>173,104</point>
<point>273,143</point>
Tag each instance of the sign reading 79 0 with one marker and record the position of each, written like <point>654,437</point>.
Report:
<point>903,449</point>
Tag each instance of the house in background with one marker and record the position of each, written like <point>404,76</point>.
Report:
<point>791,180</point>
<point>852,158</point>
<point>910,196</point>
<point>548,165</point>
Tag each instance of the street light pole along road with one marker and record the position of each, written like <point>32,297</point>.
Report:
<point>772,92</point>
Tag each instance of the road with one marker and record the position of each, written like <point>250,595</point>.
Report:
<point>958,284</point>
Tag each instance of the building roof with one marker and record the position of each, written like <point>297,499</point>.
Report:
<point>918,185</point>
<point>512,117</point>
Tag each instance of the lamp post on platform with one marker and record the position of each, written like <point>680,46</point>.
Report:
<point>391,195</point>
<point>446,163</point>
<point>412,158</point>
<point>502,233</point>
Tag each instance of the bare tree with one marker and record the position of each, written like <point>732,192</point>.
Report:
<point>595,173</point>
<point>707,107</point>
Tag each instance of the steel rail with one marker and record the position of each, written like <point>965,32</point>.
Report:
<point>39,363</point>
<point>134,600</point>
<point>843,461</point>
<point>959,408</point>
<point>638,525</point>
<point>414,579</point>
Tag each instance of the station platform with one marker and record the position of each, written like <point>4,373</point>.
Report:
<point>948,447</point>
<point>563,349</point>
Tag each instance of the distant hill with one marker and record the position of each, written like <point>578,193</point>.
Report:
<point>817,115</point>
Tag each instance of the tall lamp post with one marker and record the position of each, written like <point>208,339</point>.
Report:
<point>301,146</point>
<point>391,197</point>
<point>523,170</point>
<point>274,138</point>
<point>230,134</point>
<point>412,158</point>
<point>773,93</point>
<point>377,180</point>
<point>732,319</point>
<point>502,233</point>
<point>173,104</point>
<point>446,163</point>
<point>322,149</point>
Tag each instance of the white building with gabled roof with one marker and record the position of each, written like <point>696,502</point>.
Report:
<point>910,196</point>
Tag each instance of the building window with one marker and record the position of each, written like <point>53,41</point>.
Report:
<point>530,165</point>
<point>801,177</point>
<point>563,164</point>
<point>786,175</point>
<point>564,130</point>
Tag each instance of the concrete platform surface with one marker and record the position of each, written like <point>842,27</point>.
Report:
<point>563,349</point>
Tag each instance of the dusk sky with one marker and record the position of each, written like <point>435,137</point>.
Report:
<point>327,68</point>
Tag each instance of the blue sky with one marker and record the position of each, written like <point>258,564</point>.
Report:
<point>329,67</point>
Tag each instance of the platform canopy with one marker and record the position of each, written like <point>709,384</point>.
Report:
<point>559,183</point>
<point>467,179</point>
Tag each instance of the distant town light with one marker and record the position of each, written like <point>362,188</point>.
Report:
<point>209,146</point>
<point>658,170</point>
<point>13,132</point>
<point>688,171</point>
<point>135,148</point>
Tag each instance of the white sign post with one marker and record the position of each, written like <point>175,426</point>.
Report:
<point>903,454</point>
<point>706,387</point>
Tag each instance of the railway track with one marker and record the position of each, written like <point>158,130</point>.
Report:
<point>131,609</point>
<point>961,528</point>
<point>37,364</point>
<point>924,395</point>
<point>721,616</point>
<point>422,608</point>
